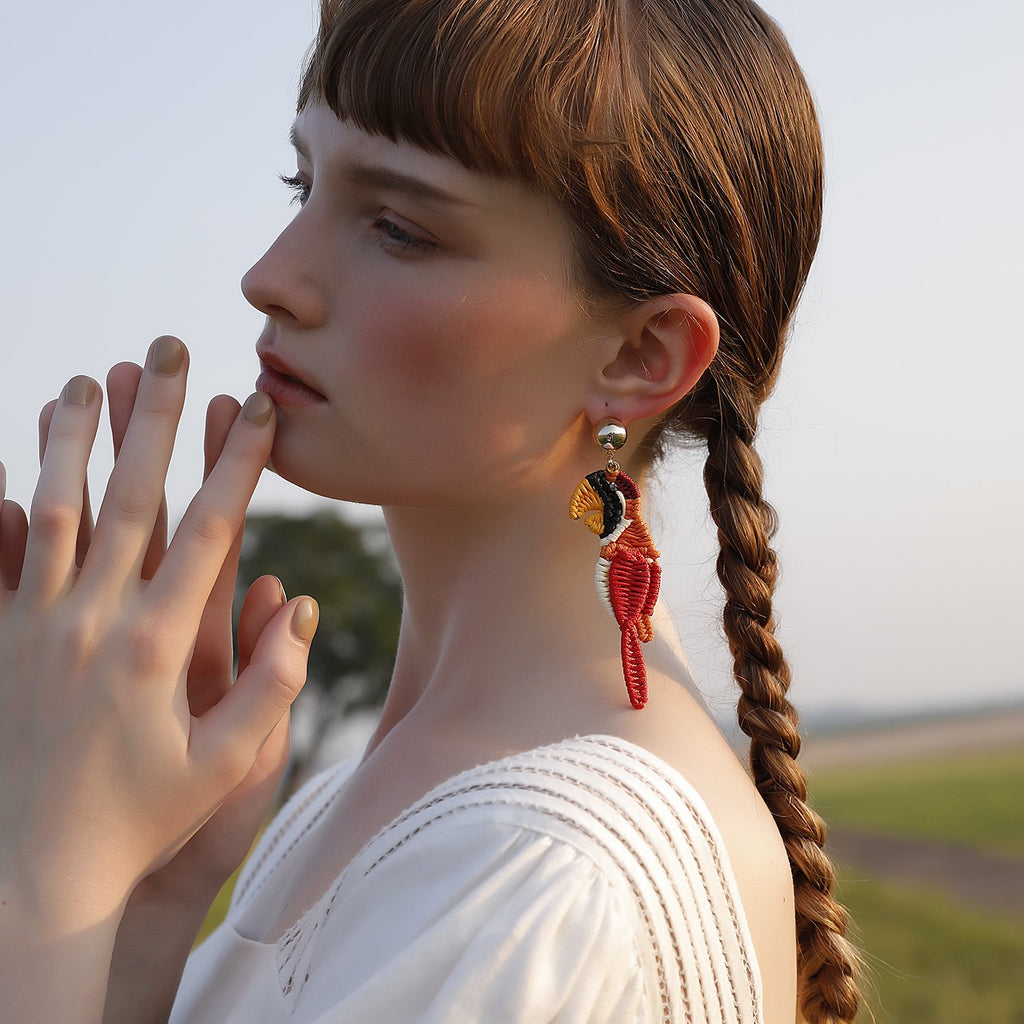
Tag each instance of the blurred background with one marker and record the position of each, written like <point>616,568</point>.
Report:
<point>140,181</point>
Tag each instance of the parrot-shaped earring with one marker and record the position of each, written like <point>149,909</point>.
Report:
<point>628,575</point>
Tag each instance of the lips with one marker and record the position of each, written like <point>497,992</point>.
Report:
<point>282,384</point>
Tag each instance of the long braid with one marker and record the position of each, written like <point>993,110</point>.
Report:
<point>747,568</point>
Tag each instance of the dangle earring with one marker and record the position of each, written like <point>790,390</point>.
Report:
<point>628,575</point>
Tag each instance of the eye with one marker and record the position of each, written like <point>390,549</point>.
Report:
<point>300,189</point>
<point>394,236</point>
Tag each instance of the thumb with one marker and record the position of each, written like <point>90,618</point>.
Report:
<point>227,740</point>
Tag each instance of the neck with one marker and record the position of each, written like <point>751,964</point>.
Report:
<point>501,615</point>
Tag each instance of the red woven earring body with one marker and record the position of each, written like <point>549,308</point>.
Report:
<point>628,575</point>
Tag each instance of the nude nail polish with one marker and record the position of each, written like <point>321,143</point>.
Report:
<point>257,408</point>
<point>79,391</point>
<point>305,619</point>
<point>166,356</point>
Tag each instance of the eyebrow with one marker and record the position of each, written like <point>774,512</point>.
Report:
<point>384,177</point>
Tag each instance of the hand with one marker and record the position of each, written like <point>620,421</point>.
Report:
<point>191,879</point>
<point>166,908</point>
<point>108,769</point>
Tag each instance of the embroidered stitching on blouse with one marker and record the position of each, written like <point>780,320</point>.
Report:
<point>578,826</point>
<point>565,819</point>
<point>638,796</point>
<point>250,881</point>
<point>296,942</point>
<point>698,817</point>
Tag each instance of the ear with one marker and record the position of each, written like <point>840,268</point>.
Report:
<point>664,346</point>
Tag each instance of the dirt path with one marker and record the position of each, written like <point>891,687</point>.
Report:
<point>907,741</point>
<point>981,880</point>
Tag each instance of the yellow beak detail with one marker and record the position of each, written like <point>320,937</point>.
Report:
<point>586,504</point>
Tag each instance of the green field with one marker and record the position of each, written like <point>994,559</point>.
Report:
<point>929,959</point>
<point>975,800</point>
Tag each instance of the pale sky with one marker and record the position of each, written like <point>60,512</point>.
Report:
<point>139,182</point>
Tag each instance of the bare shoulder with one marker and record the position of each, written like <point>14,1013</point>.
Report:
<point>682,735</point>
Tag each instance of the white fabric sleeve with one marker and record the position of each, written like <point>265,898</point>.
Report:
<point>479,920</point>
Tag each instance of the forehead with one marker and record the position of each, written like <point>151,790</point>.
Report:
<point>328,142</point>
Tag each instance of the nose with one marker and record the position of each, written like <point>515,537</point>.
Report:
<point>284,282</point>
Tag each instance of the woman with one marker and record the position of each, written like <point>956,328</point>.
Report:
<point>522,226</point>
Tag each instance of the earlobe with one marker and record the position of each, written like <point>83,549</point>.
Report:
<point>666,345</point>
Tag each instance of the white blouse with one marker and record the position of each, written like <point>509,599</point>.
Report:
<point>579,882</point>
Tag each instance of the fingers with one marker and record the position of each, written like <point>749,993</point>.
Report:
<point>131,506</point>
<point>45,418</point>
<point>13,535</point>
<point>228,739</point>
<point>220,417</point>
<point>85,523</point>
<point>204,538</point>
<point>122,386</point>
<point>57,507</point>
<point>262,602</point>
<point>211,669</point>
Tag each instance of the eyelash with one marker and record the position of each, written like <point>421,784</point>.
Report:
<point>298,188</point>
<point>388,230</point>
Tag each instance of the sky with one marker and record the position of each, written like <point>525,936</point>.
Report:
<point>140,181</point>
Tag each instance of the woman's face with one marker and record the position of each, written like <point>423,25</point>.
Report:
<point>423,341</point>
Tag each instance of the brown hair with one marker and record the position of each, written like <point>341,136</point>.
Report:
<point>681,138</point>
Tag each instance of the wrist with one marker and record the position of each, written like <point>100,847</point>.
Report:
<point>55,955</point>
<point>49,909</point>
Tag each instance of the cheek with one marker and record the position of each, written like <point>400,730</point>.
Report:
<point>413,346</point>
<point>479,337</point>
<point>483,378</point>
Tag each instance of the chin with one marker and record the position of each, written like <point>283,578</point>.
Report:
<point>363,478</point>
<point>306,472</point>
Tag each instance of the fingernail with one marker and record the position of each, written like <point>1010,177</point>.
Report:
<point>283,597</point>
<point>166,355</point>
<point>305,619</point>
<point>79,391</point>
<point>257,408</point>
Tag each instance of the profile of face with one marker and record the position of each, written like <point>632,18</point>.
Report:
<point>425,342</point>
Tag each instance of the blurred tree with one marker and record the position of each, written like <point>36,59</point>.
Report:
<point>350,572</point>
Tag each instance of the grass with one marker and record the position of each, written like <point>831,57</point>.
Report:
<point>973,800</point>
<point>931,961</point>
